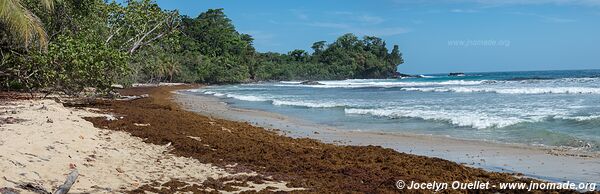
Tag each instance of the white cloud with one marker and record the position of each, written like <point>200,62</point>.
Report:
<point>358,17</point>
<point>361,31</point>
<point>505,2</point>
<point>538,2</point>
<point>341,13</point>
<point>380,31</point>
<point>329,25</point>
<point>360,24</point>
<point>464,11</point>
<point>545,18</point>
<point>370,19</point>
<point>417,21</point>
<point>299,14</point>
<point>261,37</point>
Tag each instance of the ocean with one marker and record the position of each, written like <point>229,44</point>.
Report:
<point>541,108</point>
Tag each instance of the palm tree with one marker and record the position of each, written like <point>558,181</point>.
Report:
<point>23,23</point>
<point>168,67</point>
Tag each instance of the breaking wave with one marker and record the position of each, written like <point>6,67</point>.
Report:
<point>465,118</point>
<point>307,104</point>
<point>277,102</point>
<point>382,84</point>
<point>522,90</point>
<point>458,118</point>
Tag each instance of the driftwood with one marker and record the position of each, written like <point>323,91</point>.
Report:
<point>6,190</point>
<point>33,188</point>
<point>130,98</point>
<point>71,178</point>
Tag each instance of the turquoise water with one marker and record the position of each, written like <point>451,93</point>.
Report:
<point>549,108</point>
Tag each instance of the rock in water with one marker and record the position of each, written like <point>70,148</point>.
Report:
<point>457,74</point>
<point>311,83</point>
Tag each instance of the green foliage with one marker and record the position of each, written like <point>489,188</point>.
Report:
<point>95,43</point>
<point>22,72</point>
<point>347,57</point>
<point>228,55</point>
<point>79,64</point>
<point>22,23</point>
<point>140,23</point>
<point>69,66</point>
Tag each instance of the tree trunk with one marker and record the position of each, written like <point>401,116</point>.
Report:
<point>71,178</point>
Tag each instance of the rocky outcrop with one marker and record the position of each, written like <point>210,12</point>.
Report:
<point>456,74</point>
<point>311,83</point>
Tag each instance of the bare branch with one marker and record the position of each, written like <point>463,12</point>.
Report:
<point>71,178</point>
<point>138,43</point>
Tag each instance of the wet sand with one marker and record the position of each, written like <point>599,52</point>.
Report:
<point>550,164</point>
<point>305,163</point>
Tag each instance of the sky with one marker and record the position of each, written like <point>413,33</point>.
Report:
<point>435,36</point>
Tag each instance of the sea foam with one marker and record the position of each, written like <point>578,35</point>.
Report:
<point>247,97</point>
<point>521,90</point>
<point>458,118</point>
<point>382,84</point>
<point>307,104</point>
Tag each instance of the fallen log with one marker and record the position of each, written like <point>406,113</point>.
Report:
<point>35,188</point>
<point>71,178</point>
<point>129,98</point>
<point>6,190</point>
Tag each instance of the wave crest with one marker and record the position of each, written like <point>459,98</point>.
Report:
<point>523,90</point>
<point>307,104</point>
<point>459,118</point>
<point>377,84</point>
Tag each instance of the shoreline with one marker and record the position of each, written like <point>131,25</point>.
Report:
<point>162,148</point>
<point>544,163</point>
<point>301,162</point>
<point>41,140</point>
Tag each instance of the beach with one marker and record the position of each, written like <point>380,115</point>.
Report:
<point>299,97</point>
<point>302,162</point>
<point>153,144</point>
<point>545,163</point>
<point>42,141</point>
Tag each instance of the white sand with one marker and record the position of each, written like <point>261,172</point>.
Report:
<point>53,139</point>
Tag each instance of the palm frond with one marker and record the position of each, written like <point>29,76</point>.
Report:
<point>23,23</point>
<point>48,4</point>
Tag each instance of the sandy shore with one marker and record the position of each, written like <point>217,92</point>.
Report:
<point>152,145</point>
<point>41,141</point>
<point>548,164</point>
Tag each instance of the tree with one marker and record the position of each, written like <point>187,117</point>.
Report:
<point>93,43</point>
<point>230,54</point>
<point>318,46</point>
<point>138,24</point>
<point>23,23</point>
<point>395,57</point>
<point>80,63</point>
<point>347,57</point>
<point>298,55</point>
<point>170,67</point>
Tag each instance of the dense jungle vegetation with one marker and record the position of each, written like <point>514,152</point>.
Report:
<point>68,45</point>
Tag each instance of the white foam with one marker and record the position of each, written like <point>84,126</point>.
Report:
<point>195,90</point>
<point>458,118</point>
<point>306,104</point>
<point>251,98</point>
<point>217,94</point>
<point>291,82</point>
<point>579,118</point>
<point>380,83</point>
<point>521,90</point>
<point>247,97</point>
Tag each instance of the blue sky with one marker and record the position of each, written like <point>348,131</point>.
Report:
<point>435,36</point>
